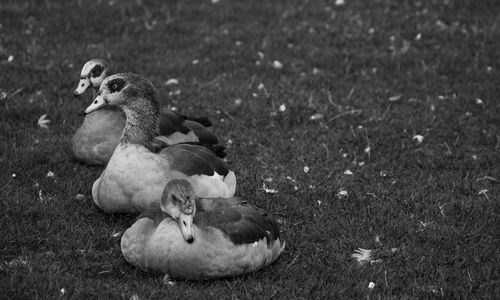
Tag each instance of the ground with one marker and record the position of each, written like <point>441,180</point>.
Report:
<point>375,121</point>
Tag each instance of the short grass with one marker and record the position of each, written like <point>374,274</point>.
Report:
<point>375,74</point>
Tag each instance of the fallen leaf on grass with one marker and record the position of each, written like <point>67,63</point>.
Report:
<point>174,93</point>
<point>316,116</point>
<point>395,98</point>
<point>342,193</point>
<point>268,190</point>
<point>424,225</point>
<point>484,192</point>
<point>172,81</point>
<point>419,138</point>
<point>150,25</point>
<point>135,297</point>
<point>277,65</point>
<point>44,122</point>
<point>167,280</point>
<point>17,262</point>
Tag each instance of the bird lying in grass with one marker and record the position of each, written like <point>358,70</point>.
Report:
<point>201,238</point>
<point>135,176</point>
<point>96,139</point>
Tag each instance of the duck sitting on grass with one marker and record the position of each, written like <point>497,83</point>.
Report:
<point>201,238</point>
<point>135,176</point>
<point>96,139</point>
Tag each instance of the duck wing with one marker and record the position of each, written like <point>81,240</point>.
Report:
<point>194,160</point>
<point>204,135</point>
<point>202,120</point>
<point>242,224</point>
<point>171,122</point>
<point>159,144</point>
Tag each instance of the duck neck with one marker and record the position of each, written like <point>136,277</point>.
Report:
<point>142,123</point>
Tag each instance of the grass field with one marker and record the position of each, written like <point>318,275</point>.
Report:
<point>376,121</point>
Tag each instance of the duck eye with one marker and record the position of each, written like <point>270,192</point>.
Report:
<point>116,85</point>
<point>184,222</point>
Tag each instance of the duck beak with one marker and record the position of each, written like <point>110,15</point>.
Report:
<point>98,102</point>
<point>83,85</point>
<point>187,228</point>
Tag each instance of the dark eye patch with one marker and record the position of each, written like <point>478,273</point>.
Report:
<point>96,71</point>
<point>116,85</point>
<point>175,199</point>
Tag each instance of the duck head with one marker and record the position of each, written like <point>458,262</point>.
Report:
<point>123,89</point>
<point>93,73</point>
<point>178,201</point>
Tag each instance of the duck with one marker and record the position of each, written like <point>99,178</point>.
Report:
<point>136,173</point>
<point>93,73</point>
<point>95,140</point>
<point>195,238</point>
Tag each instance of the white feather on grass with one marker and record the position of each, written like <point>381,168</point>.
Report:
<point>364,256</point>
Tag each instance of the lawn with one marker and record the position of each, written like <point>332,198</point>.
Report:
<point>377,123</point>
